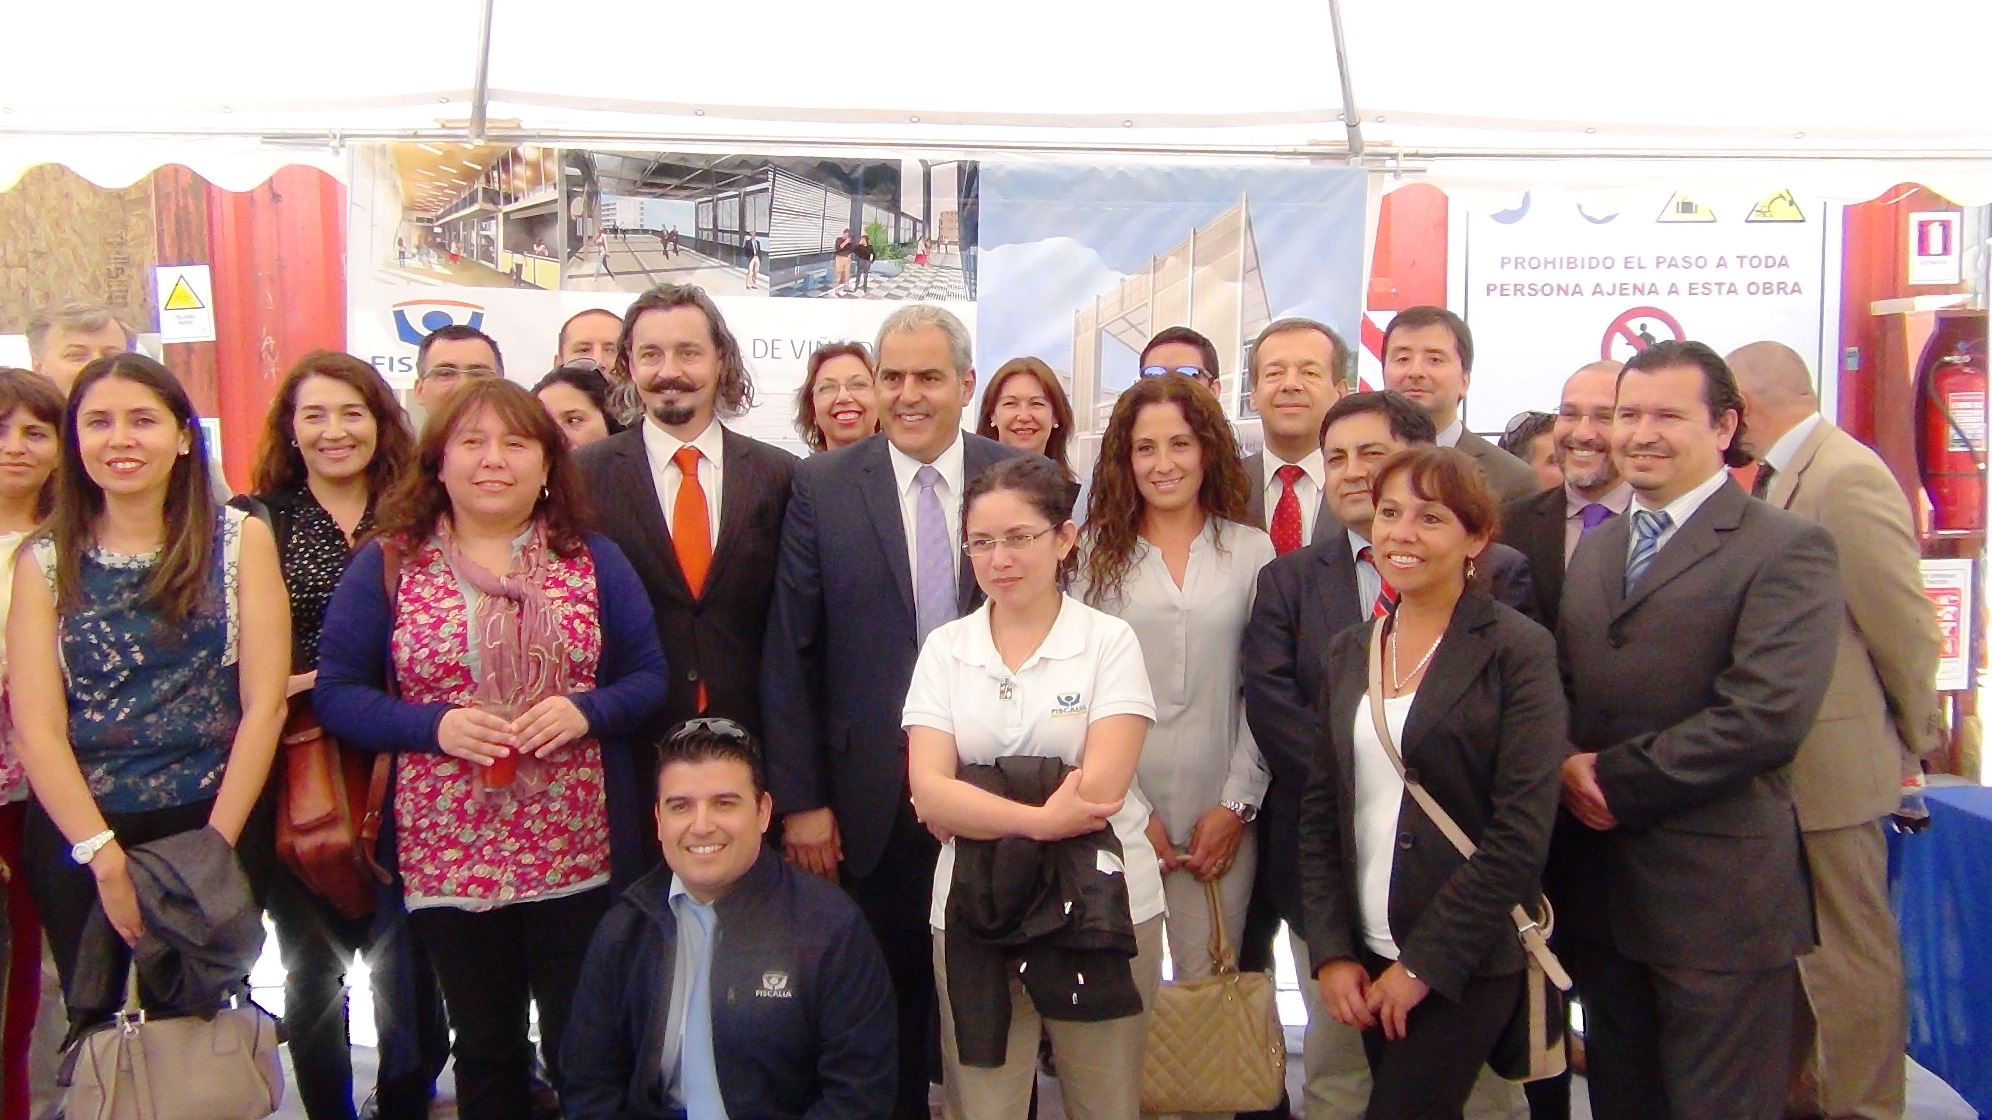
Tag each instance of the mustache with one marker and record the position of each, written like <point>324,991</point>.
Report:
<point>672,385</point>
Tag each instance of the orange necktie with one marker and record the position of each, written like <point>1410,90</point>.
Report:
<point>691,530</point>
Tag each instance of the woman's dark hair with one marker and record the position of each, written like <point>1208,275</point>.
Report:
<point>589,379</point>
<point>1448,476</point>
<point>1038,481</point>
<point>179,584</point>
<point>1113,512</point>
<point>279,461</point>
<point>20,388</point>
<point>1061,408</point>
<point>418,500</point>
<point>805,397</point>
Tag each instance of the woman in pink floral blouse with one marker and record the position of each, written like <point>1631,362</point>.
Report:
<point>506,657</point>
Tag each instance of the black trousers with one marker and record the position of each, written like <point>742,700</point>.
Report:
<point>896,898</point>
<point>66,893</point>
<point>493,964</point>
<point>1255,947</point>
<point>1429,1073</point>
<point>318,944</point>
<point>1679,1043</point>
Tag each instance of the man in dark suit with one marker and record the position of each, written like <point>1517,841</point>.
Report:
<point>1305,598</point>
<point>1545,527</point>
<point>1880,713</point>
<point>1698,636</point>
<point>1299,368</point>
<point>1428,356</point>
<point>871,562</point>
<point>703,539</point>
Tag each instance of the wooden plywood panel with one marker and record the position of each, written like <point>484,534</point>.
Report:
<point>63,238</point>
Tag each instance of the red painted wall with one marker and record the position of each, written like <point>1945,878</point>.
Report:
<point>1876,266</point>
<point>1408,264</point>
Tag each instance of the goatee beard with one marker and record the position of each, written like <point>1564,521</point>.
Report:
<point>673,415</point>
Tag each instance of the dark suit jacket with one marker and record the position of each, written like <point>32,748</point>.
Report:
<point>1534,526</point>
<point>1510,477</point>
<point>842,640</point>
<point>1325,522</point>
<point>715,638</point>
<point>1484,738</point>
<point>1304,599</point>
<point>1695,693</point>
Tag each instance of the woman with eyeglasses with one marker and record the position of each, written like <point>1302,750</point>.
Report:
<point>1034,675</point>
<point>837,403</point>
<point>504,656</point>
<point>1169,550</point>
<point>30,439</point>
<point>578,396</point>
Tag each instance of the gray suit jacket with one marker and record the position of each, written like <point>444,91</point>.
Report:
<point>1695,692</point>
<point>1510,477</point>
<point>1255,500</point>
<point>1882,701</point>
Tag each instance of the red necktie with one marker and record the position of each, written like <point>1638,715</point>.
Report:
<point>691,529</point>
<point>1386,596</point>
<point>1286,513</point>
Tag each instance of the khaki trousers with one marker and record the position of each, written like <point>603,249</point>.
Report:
<point>1099,1064</point>
<point>1855,1029</point>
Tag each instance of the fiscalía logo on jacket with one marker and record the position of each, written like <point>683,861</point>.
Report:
<point>1068,704</point>
<point>774,985</point>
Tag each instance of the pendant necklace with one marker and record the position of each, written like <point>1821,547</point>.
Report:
<point>1007,690</point>
<point>1397,679</point>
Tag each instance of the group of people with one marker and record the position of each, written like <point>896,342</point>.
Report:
<point>768,782</point>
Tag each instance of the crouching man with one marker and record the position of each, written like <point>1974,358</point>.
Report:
<point>724,984</point>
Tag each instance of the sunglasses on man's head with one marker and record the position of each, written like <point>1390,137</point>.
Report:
<point>1164,371</point>
<point>1523,420</point>
<point>724,728</point>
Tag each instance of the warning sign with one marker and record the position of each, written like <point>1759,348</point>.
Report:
<point>186,302</point>
<point>1635,330</point>
<point>1681,208</point>
<point>1780,207</point>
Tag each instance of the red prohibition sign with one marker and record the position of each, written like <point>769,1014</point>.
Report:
<point>1631,329</point>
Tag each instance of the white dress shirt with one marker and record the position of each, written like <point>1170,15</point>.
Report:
<point>952,464</point>
<point>1449,435</point>
<point>1087,668</point>
<point>1307,488</point>
<point>1781,452</point>
<point>1678,511</point>
<point>1369,580</point>
<point>1200,751</point>
<point>1618,500</point>
<point>659,446</point>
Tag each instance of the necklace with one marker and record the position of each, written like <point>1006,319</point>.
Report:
<point>1397,679</point>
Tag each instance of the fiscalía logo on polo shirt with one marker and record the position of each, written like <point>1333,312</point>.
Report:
<point>1068,704</point>
<point>774,985</point>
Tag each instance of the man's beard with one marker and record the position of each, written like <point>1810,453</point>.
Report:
<point>672,415</point>
<point>1607,470</point>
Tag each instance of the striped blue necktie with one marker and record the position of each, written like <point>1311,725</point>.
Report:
<point>1647,525</point>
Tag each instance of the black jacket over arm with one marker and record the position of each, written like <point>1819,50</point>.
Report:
<point>1485,737</point>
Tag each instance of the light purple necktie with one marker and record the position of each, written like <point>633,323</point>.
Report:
<point>934,575</point>
<point>1594,515</point>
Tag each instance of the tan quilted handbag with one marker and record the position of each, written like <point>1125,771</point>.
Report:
<point>1215,1045</point>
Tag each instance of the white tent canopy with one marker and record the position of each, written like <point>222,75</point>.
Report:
<point>1844,100</point>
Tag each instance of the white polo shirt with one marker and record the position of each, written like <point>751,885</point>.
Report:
<point>1089,667</point>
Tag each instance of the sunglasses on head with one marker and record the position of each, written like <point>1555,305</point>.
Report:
<point>724,728</point>
<point>1524,420</point>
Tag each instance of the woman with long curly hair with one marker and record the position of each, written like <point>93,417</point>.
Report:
<point>1169,548</point>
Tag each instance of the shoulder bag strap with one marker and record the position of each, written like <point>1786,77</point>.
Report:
<point>1534,934</point>
<point>1222,962</point>
<point>383,765</point>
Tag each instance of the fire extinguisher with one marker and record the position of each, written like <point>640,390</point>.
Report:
<point>1953,437</point>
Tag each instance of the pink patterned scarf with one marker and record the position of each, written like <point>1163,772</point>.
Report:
<point>520,651</point>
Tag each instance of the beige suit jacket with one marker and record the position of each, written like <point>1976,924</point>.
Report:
<point>1883,698</point>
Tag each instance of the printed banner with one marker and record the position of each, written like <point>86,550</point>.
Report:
<point>1557,281</point>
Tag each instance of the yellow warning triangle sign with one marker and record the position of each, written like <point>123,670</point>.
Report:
<point>1780,207</point>
<point>182,297</point>
<point>1681,208</point>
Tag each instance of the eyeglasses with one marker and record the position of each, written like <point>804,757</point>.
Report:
<point>1014,542</point>
<point>451,373</point>
<point>1163,371</point>
<point>712,725</point>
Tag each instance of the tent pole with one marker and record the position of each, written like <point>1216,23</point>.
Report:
<point>1351,119</point>
<point>480,92</point>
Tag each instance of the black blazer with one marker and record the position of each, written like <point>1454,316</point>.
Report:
<point>715,638</point>
<point>1303,600</point>
<point>1485,737</point>
<point>1534,526</point>
<point>841,642</point>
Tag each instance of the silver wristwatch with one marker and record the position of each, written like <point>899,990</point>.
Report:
<point>1246,813</point>
<point>85,851</point>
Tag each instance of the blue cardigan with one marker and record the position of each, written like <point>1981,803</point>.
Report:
<point>631,685</point>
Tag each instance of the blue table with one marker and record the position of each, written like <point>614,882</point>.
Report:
<point>1943,898</point>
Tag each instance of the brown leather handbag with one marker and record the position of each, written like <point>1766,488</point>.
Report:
<point>328,812</point>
